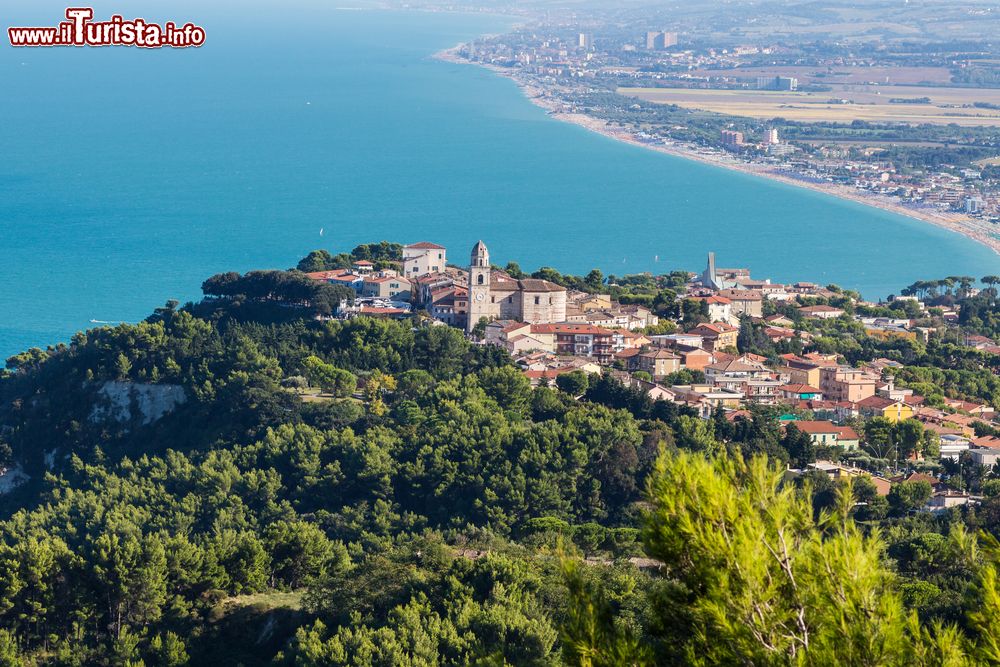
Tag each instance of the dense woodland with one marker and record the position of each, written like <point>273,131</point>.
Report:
<point>371,492</point>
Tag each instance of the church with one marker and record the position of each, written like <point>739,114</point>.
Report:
<point>497,296</point>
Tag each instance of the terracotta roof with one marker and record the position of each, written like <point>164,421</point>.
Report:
<point>716,328</point>
<point>990,441</point>
<point>536,285</point>
<point>516,326</point>
<point>741,295</point>
<point>876,402</point>
<point>363,262</point>
<point>824,428</point>
<point>816,427</point>
<point>425,245</point>
<point>735,366</point>
<point>659,354</point>
<point>800,389</point>
<point>715,298</point>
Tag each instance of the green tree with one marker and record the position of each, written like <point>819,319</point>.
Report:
<point>508,387</point>
<point>766,581</point>
<point>906,497</point>
<point>300,551</point>
<point>329,378</point>
<point>574,383</point>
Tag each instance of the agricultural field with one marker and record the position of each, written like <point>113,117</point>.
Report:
<point>846,103</point>
<point>830,76</point>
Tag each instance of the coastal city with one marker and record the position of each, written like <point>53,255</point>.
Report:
<point>436,333</point>
<point>904,124</point>
<point>720,342</point>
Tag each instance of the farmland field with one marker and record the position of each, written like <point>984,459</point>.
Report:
<point>838,74</point>
<point>846,103</point>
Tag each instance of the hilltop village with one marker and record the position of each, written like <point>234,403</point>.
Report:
<point>735,342</point>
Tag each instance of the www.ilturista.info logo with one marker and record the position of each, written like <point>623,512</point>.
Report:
<point>81,30</point>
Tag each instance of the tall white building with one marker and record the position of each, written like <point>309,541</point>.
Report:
<point>422,258</point>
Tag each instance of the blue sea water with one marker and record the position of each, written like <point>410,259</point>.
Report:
<point>128,176</point>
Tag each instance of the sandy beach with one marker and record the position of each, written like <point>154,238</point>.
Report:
<point>978,230</point>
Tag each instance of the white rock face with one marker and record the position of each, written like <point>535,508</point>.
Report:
<point>11,478</point>
<point>125,402</point>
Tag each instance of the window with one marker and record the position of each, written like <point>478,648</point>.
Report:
<point>537,300</point>
<point>480,279</point>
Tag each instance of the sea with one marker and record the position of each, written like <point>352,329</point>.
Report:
<point>128,176</point>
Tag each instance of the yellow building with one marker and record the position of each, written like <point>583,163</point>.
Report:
<point>877,406</point>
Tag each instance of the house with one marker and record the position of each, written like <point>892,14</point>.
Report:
<point>423,258</point>
<point>338,277</point>
<point>720,309</point>
<point>635,340</point>
<point>386,285</point>
<point>693,358</point>
<point>718,335</point>
<point>821,312</point>
<point>363,267</point>
<point>706,399</point>
<point>953,446</point>
<point>985,456</point>
<point>586,302</point>
<point>946,499</point>
<point>656,392</point>
<point>837,471</point>
<point>658,362</point>
<point>801,371</point>
<point>986,412</point>
<point>736,367</point>
<point>584,340</point>
<point>879,406</point>
<point>827,434</point>
<point>450,305</point>
<point>675,339</point>
<point>744,302</point>
<point>843,383</point>
<point>427,284</point>
<point>800,392</point>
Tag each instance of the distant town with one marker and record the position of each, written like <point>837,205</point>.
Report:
<point>899,119</point>
<point>720,342</point>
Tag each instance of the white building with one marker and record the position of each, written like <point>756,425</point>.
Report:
<point>422,258</point>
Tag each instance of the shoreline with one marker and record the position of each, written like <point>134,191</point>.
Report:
<point>976,230</point>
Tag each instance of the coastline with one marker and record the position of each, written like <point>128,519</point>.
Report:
<point>980,231</point>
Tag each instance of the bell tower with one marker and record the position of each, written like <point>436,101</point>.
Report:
<point>479,285</point>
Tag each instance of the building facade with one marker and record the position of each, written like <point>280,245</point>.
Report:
<point>494,295</point>
<point>422,258</point>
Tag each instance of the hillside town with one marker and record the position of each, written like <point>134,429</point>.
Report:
<point>696,360</point>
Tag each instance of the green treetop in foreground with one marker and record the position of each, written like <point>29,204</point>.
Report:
<point>757,577</point>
